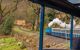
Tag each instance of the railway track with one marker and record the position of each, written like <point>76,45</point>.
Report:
<point>52,42</point>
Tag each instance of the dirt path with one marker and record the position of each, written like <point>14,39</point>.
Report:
<point>31,39</point>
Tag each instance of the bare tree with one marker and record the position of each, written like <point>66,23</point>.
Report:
<point>10,11</point>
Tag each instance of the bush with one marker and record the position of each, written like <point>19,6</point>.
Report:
<point>6,26</point>
<point>51,16</point>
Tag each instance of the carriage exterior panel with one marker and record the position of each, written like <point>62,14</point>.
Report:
<point>63,33</point>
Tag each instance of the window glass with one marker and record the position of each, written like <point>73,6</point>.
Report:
<point>74,1</point>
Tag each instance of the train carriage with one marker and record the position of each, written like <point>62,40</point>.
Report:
<point>63,33</point>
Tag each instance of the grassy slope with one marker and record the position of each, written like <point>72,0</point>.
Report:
<point>10,44</point>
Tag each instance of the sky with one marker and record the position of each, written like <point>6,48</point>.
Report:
<point>74,1</point>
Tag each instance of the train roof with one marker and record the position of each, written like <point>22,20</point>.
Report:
<point>68,6</point>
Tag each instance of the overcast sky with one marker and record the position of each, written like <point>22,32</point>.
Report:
<point>74,1</point>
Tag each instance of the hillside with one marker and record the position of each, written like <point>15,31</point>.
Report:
<point>25,10</point>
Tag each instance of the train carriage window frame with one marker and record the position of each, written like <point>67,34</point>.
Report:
<point>61,5</point>
<point>66,6</point>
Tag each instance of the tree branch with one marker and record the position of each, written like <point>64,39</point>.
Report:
<point>13,9</point>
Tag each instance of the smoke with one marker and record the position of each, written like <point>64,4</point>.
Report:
<point>78,26</point>
<point>56,20</point>
<point>61,23</point>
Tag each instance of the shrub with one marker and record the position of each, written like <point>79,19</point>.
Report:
<point>6,26</point>
<point>51,16</point>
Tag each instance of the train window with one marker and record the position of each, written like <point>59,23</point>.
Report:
<point>56,37</point>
